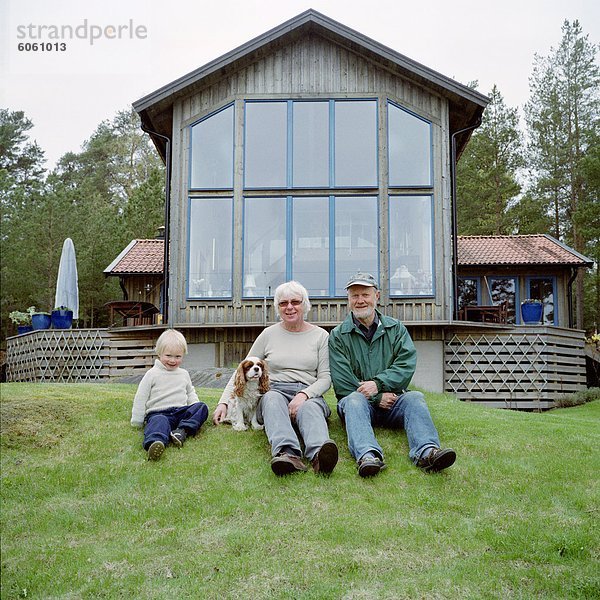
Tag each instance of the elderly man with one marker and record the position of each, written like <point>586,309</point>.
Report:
<point>372,360</point>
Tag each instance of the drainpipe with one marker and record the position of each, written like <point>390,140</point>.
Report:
<point>570,297</point>
<point>165,291</point>
<point>455,214</point>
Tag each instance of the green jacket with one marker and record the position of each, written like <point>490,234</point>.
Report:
<point>389,360</point>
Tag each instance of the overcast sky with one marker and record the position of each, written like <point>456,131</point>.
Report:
<point>67,93</point>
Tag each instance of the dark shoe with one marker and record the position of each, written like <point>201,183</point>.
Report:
<point>178,436</point>
<point>437,460</point>
<point>284,464</point>
<point>370,466</point>
<point>155,450</point>
<point>326,458</point>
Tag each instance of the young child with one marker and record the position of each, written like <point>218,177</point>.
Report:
<point>166,400</point>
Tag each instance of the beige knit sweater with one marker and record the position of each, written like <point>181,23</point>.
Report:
<point>161,389</point>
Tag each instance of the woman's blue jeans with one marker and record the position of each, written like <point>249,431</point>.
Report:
<point>282,433</point>
<point>409,412</point>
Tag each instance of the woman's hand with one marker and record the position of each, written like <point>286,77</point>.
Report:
<point>220,413</point>
<point>297,401</point>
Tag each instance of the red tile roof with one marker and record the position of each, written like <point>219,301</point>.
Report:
<point>146,256</point>
<point>140,256</point>
<point>516,250</point>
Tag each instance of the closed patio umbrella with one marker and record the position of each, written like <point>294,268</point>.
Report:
<point>67,287</point>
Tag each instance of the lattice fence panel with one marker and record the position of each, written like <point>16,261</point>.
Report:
<point>514,369</point>
<point>68,355</point>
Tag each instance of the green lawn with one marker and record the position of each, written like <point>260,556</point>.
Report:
<point>84,515</point>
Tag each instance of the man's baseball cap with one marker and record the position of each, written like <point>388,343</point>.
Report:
<point>362,278</point>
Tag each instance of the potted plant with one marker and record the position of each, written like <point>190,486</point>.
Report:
<point>531,311</point>
<point>22,320</point>
<point>62,317</point>
<point>40,320</point>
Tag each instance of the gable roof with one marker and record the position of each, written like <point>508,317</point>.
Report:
<point>138,258</point>
<point>466,104</point>
<point>539,249</point>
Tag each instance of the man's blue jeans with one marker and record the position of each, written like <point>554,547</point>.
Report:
<point>409,412</point>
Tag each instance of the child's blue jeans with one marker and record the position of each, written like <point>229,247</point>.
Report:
<point>159,424</point>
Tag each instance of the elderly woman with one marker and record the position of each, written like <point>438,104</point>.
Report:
<point>297,356</point>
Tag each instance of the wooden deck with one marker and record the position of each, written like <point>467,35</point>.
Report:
<point>496,365</point>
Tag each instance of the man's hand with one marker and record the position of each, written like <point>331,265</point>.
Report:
<point>220,413</point>
<point>388,399</point>
<point>297,401</point>
<point>368,388</point>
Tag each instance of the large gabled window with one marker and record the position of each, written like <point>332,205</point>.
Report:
<point>311,188</point>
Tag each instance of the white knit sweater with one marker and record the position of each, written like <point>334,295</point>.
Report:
<point>292,357</point>
<point>160,389</point>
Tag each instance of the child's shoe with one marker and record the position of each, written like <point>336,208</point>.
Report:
<point>155,450</point>
<point>178,436</point>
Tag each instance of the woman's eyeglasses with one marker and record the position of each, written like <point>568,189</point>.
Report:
<point>284,303</point>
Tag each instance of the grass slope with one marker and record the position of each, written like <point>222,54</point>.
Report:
<point>84,515</point>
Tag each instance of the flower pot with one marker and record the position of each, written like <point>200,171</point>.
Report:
<point>531,313</point>
<point>62,319</point>
<point>21,329</point>
<point>41,321</point>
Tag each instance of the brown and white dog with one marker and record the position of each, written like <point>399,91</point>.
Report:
<point>251,381</point>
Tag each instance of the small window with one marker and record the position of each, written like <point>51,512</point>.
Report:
<point>468,292</point>
<point>505,289</point>
<point>210,251</point>
<point>542,288</point>
<point>212,151</point>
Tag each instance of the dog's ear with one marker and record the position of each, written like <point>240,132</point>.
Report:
<point>239,381</point>
<point>263,382</point>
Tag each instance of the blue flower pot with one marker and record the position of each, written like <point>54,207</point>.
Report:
<point>62,319</point>
<point>40,321</point>
<point>21,329</point>
<point>531,313</point>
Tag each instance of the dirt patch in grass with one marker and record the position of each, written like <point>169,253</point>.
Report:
<point>38,423</point>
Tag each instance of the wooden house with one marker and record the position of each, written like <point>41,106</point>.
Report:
<point>308,153</point>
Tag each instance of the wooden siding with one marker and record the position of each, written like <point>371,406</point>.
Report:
<point>311,67</point>
<point>519,367</point>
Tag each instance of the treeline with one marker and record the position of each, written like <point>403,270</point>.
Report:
<point>545,178</point>
<point>541,178</point>
<point>102,197</point>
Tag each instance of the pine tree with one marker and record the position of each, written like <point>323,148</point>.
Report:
<point>487,171</point>
<point>562,121</point>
